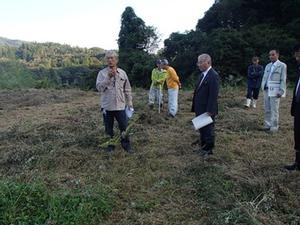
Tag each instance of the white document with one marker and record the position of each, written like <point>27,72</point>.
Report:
<point>273,88</point>
<point>201,121</point>
<point>129,112</point>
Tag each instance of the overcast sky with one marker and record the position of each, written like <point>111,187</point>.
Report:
<point>93,23</point>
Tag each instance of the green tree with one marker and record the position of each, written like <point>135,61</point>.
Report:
<point>233,31</point>
<point>136,42</point>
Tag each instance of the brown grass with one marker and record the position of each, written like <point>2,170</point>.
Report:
<point>55,139</point>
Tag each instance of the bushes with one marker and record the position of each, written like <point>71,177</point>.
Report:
<point>15,75</point>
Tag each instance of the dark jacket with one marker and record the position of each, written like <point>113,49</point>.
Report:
<point>206,96</point>
<point>255,74</point>
<point>293,108</point>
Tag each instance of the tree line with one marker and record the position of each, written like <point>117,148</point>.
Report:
<point>50,65</point>
<point>232,32</point>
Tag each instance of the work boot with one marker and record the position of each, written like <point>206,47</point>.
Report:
<point>254,103</point>
<point>248,102</point>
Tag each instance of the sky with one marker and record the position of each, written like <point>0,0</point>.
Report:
<point>93,23</point>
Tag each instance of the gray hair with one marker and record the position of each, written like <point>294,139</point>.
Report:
<point>164,62</point>
<point>111,53</point>
<point>205,57</point>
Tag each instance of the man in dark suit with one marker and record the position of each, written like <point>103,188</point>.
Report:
<point>295,111</point>
<point>206,100</point>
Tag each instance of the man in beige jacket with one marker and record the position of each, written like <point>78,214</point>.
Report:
<point>114,87</point>
<point>274,87</point>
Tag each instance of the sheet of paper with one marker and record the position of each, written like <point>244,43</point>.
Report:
<point>201,121</point>
<point>274,88</point>
<point>129,112</point>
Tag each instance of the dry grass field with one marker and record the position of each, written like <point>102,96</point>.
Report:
<point>53,172</point>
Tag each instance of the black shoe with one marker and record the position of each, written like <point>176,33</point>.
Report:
<point>125,143</point>
<point>110,148</point>
<point>171,115</point>
<point>204,153</point>
<point>129,150</point>
<point>266,129</point>
<point>294,166</point>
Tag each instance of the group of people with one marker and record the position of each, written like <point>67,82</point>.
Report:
<point>272,81</point>
<point>164,72</point>
<point>114,87</point>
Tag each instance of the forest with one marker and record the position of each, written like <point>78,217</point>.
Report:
<point>232,32</point>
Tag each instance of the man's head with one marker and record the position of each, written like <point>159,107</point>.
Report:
<point>297,53</point>
<point>255,60</point>
<point>164,63</point>
<point>111,58</point>
<point>273,55</point>
<point>204,62</point>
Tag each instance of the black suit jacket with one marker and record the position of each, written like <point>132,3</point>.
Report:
<point>206,95</point>
<point>294,103</point>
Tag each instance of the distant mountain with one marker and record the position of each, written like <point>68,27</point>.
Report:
<point>10,42</point>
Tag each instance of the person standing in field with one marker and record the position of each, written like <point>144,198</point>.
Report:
<point>173,84</point>
<point>295,112</point>
<point>274,87</point>
<point>254,76</point>
<point>158,77</point>
<point>205,100</point>
<point>114,87</point>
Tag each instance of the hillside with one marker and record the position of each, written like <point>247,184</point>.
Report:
<point>49,155</point>
<point>51,64</point>
<point>10,43</point>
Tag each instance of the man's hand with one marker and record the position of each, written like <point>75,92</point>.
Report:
<point>112,72</point>
<point>210,114</point>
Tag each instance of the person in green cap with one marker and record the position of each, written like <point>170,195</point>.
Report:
<point>158,77</point>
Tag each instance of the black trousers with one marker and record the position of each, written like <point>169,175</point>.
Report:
<point>252,93</point>
<point>207,137</point>
<point>109,118</point>
<point>297,127</point>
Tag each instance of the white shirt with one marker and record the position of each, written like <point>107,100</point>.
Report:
<point>204,75</point>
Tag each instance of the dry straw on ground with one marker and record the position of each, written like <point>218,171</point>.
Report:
<point>53,137</point>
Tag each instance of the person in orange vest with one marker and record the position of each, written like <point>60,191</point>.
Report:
<point>173,84</point>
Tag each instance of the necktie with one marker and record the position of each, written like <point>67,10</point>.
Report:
<point>268,77</point>
<point>201,79</point>
<point>298,91</point>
